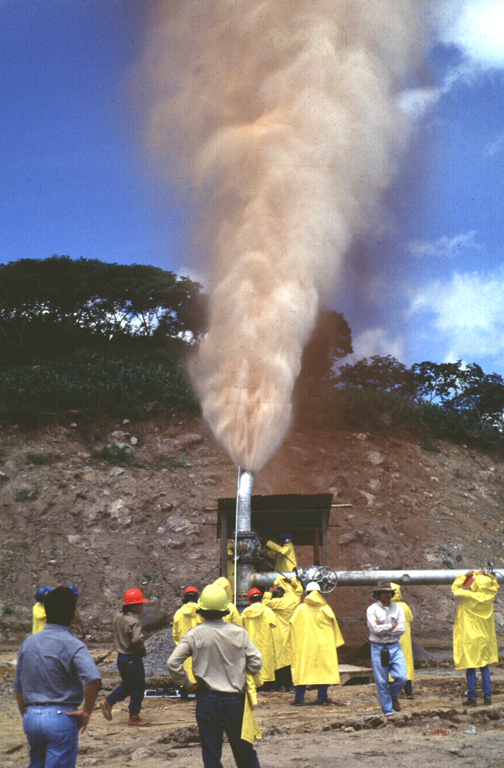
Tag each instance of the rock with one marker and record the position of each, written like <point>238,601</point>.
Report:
<point>361,436</point>
<point>74,539</point>
<point>471,730</point>
<point>375,458</point>
<point>172,544</point>
<point>118,436</point>
<point>190,439</point>
<point>153,617</point>
<point>172,445</point>
<point>117,471</point>
<point>160,530</point>
<point>374,485</point>
<point>369,498</point>
<point>349,537</point>
<point>134,440</point>
<point>116,509</point>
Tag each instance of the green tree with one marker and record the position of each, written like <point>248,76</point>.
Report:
<point>377,372</point>
<point>53,306</point>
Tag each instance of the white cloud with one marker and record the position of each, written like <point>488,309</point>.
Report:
<point>375,341</point>
<point>475,28</point>
<point>466,314</point>
<point>445,247</point>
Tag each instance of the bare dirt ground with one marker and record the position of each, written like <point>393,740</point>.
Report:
<point>78,518</point>
<point>432,730</point>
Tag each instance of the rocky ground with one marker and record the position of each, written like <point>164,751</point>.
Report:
<point>69,515</point>
<point>432,730</point>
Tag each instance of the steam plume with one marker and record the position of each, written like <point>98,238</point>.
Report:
<point>282,114</point>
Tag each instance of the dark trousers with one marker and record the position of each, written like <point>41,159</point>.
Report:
<point>131,669</point>
<point>217,712</point>
<point>283,678</point>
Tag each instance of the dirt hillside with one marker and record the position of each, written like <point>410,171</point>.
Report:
<point>69,515</point>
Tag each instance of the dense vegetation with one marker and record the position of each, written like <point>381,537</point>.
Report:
<point>87,336</point>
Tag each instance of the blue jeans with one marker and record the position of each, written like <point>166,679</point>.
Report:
<point>485,682</point>
<point>131,669</point>
<point>217,712</point>
<point>52,735</point>
<point>397,670</point>
<point>322,693</point>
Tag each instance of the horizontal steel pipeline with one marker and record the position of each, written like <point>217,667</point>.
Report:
<point>371,578</point>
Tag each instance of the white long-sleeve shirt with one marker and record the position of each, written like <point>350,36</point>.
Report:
<point>380,620</point>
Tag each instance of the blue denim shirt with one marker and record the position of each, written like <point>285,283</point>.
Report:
<point>54,667</point>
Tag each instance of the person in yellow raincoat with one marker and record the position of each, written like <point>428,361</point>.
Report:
<point>474,637</point>
<point>185,619</point>
<point>314,638</point>
<point>226,666</point>
<point>259,621</point>
<point>38,610</point>
<point>233,617</point>
<point>230,560</point>
<point>282,553</point>
<point>406,644</point>
<point>283,600</point>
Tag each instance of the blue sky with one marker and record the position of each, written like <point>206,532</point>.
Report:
<point>75,178</point>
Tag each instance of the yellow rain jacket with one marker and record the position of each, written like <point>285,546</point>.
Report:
<point>283,608</point>
<point>230,561</point>
<point>314,637</point>
<point>250,728</point>
<point>39,618</point>
<point>285,557</point>
<point>185,619</point>
<point>474,637</point>
<point>259,621</point>
<point>406,644</point>
<point>233,616</point>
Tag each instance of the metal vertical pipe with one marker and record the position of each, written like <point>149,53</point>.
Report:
<point>244,501</point>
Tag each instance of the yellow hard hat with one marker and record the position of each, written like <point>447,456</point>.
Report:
<point>213,598</point>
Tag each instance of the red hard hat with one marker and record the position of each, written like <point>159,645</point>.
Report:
<point>134,597</point>
<point>190,590</point>
<point>254,591</point>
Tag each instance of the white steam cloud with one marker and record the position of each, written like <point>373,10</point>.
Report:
<point>283,115</point>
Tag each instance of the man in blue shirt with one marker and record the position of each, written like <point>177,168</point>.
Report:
<point>54,673</point>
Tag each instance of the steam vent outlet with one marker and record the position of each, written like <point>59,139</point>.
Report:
<point>245,485</point>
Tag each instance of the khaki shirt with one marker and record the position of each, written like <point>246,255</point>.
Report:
<point>221,654</point>
<point>128,637</point>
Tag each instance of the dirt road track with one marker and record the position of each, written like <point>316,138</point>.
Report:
<point>432,730</point>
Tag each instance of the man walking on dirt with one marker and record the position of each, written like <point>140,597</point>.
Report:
<point>386,624</point>
<point>222,653</point>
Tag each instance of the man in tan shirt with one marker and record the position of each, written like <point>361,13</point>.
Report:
<point>221,655</point>
<point>130,647</point>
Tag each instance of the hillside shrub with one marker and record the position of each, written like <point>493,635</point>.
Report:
<point>31,394</point>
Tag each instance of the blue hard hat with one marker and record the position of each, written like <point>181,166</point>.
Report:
<point>74,589</point>
<point>41,593</point>
<point>285,535</point>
